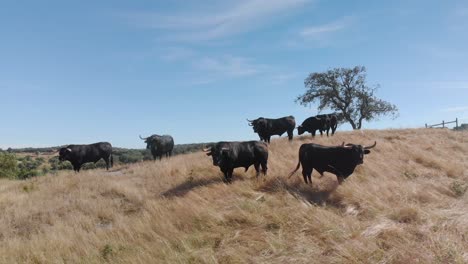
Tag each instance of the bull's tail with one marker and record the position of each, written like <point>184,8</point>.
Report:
<point>294,171</point>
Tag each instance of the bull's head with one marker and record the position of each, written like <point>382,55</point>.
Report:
<point>300,130</point>
<point>65,154</point>
<point>258,124</point>
<point>149,141</point>
<point>217,153</point>
<point>358,151</point>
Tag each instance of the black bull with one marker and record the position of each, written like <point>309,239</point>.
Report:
<point>230,155</point>
<point>267,127</point>
<point>331,122</point>
<point>320,122</point>
<point>159,145</point>
<point>339,160</point>
<point>80,154</point>
<point>311,125</point>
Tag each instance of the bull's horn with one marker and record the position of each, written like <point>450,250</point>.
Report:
<point>69,150</point>
<point>143,137</point>
<point>342,144</point>
<point>369,147</point>
<point>207,149</point>
<point>225,148</point>
<point>250,121</point>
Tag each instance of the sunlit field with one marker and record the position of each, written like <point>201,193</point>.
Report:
<point>406,204</point>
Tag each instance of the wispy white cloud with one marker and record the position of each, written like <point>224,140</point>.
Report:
<point>448,85</point>
<point>283,77</point>
<point>440,52</point>
<point>244,16</point>
<point>319,31</point>
<point>215,68</point>
<point>456,109</point>
<point>461,112</point>
<point>174,54</point>
<point>227,66</point>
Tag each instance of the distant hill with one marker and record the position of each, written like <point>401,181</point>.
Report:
<point>178,149</point>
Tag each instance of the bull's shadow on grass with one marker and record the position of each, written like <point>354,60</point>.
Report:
<point>298,189</point>
<point>193,183</point>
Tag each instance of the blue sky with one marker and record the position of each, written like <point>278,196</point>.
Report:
<point>88,71</point>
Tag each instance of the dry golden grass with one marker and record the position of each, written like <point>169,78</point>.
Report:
<point>405,204</point>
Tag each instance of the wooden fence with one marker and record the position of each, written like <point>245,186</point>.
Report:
<point>444,123</point>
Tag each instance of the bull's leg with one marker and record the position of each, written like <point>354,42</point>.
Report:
<point>313,133</point>
<point>333,130</point>
<point>304,175</point>
<point>268,139</point>
<point>264,168</point>
<point>226,177</point>
<point>229,178</point>
<point>257,169</point>
<point>340,179</point>
<point>328,129</point>
<point>76,167</point>
<point>107,162</point>
<point>307,175</point>
<point>290,134</point>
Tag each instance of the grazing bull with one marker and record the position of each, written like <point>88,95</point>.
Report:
<point>230,155</point>
<point>331,122</point>
<point>80,154</point>
<point>159,145</point>
<point>267,127</point>
<point>311,125</point>
<point>339,160</point>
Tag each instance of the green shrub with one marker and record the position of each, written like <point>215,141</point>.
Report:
<point>55,164</point>
<point>8,166</point>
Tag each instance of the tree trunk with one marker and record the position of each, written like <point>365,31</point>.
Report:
<point>352,123</point>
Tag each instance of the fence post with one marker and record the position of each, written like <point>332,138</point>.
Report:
<point>443,124</point>
<point>426,125</point>
<point>456,122</point>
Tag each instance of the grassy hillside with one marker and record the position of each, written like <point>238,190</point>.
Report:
<point>406,203</point>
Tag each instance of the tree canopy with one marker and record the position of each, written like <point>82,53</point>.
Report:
<point>345,91</point>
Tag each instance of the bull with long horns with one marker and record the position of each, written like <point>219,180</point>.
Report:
<point>339,160</point>
<point>230,155</point>
<point>267,127</point>
<point>159,145</point>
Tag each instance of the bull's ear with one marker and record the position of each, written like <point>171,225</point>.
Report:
<point>366,151</point>
<point>208,153</point>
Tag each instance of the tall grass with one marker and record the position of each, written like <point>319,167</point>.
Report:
<point>405,204</point>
